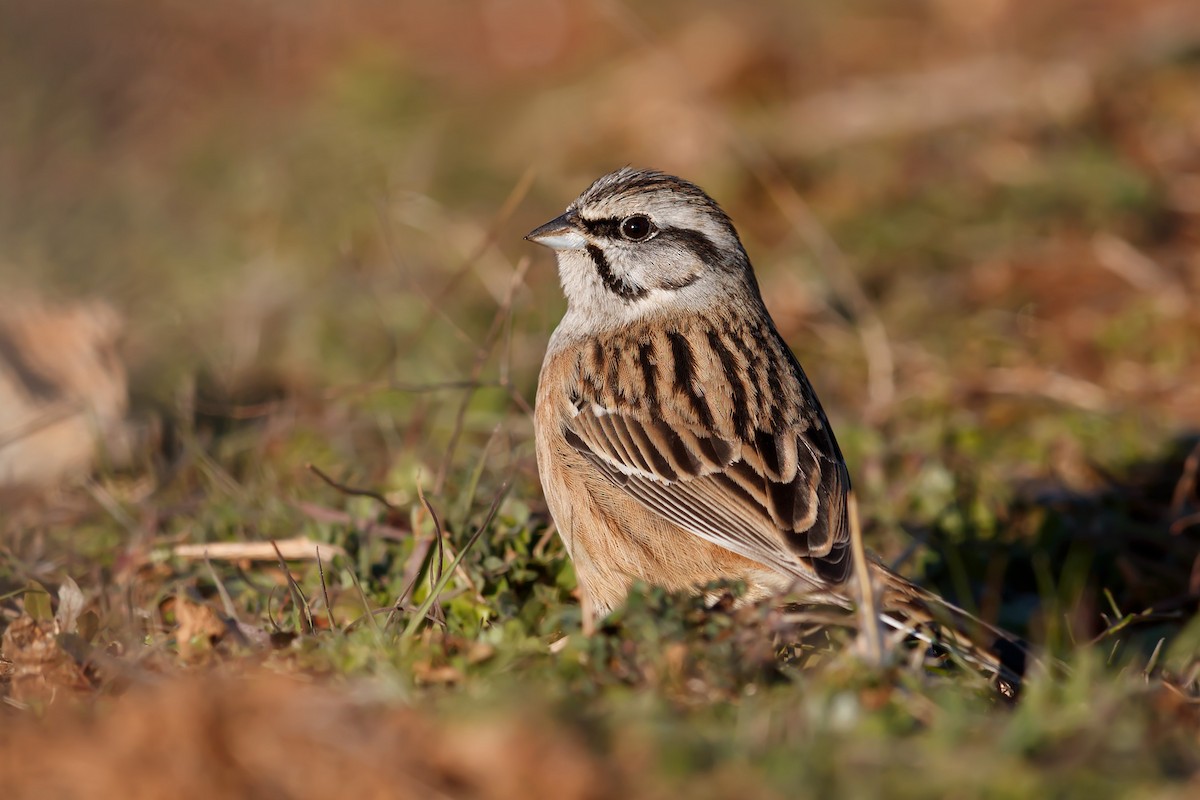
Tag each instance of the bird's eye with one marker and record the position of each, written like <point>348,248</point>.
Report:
<point>637,227</point>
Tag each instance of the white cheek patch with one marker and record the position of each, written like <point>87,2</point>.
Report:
<point>654,301</point>
<point>658,298</point>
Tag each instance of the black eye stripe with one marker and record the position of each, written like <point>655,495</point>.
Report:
<point>704,248</point>
<point>608,227</point>
<point>697,242</point>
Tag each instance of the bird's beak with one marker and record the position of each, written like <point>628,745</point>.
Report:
<point>559,233</point>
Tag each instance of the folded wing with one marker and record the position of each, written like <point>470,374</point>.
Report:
<point>778,498</point>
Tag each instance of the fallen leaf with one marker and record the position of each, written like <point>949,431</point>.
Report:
<point>40,667</point>
<point>70,606</point>
<point>200,627</point>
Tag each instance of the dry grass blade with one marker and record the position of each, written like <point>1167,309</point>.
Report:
<point>368,612</point>
<point>415,622</point>
<point>297,593</point>
<point>438,538</point>
<point>113,507</point>
<point>511,203</point>
<point>226,600</point>
<point>435,304</point>
<point>477,474</point>
<point>1152,662</point>
<point>325,592</point>
<point>870,637</point>
<point>877,347</point>
<point>411,576</point>
<point>503,311</point>
<point>1047,383</point>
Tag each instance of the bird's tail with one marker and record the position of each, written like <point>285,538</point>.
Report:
<point>948,630</point>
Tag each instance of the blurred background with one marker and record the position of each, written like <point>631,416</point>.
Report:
<point>945,201</point>
<point>287,189</point>
<point>237,239</point>
<point>297,228</point>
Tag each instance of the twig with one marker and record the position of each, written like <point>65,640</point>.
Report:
<point>918,539</point>
<point>518,400</point>
<point>350,490</point>
<point>297,549</point>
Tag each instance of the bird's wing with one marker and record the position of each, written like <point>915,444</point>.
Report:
<point>776,498</point>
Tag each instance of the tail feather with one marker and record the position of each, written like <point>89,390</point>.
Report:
<point>925,616</point>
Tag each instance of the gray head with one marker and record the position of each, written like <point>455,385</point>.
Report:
<point>639,242</point>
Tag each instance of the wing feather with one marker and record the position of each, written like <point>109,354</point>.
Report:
<point>777,498</point>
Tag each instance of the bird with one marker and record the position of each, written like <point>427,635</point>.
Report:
<point>679,441</point>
